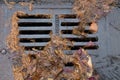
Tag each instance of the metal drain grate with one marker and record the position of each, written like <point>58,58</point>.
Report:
<point>67,23</point>
<point>34,31</point>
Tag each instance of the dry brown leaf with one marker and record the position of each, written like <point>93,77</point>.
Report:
<point>94,27</point>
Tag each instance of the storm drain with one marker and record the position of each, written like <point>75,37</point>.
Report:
<point>67,23</point>
<point>34,31</point>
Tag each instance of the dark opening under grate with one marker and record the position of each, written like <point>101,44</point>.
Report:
<point>69,64</point>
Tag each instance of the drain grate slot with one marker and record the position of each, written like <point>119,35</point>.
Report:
<point>70,31</point>
<point>29,32</point>
<point>35,40</point>
<point>31,24</point>
<point>84,39</point>
<point>69,23</point>
<point>38,16</point>
<point>69,16</point>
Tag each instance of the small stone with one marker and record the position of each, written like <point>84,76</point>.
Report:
<point>3,52</point>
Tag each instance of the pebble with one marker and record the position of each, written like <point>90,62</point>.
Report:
<point>3,52</point>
